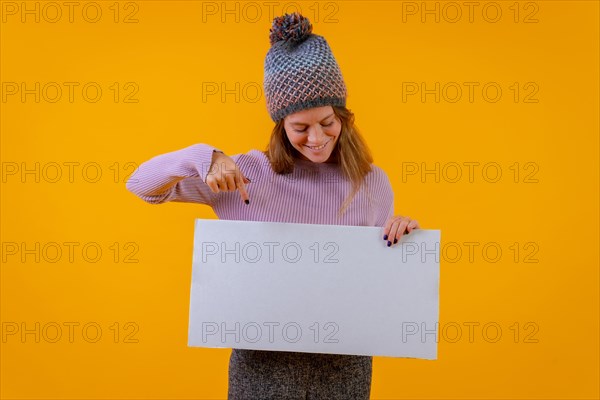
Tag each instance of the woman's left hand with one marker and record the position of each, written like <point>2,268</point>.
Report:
<point>397,226</point>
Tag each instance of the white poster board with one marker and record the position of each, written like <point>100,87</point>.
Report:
<point>314,288</point>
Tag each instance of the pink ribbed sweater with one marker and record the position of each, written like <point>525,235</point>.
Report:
<point>311,194</point>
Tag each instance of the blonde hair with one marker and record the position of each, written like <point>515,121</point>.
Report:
<point>351,153</point>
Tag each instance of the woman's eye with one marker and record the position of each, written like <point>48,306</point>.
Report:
<point>304,130</point>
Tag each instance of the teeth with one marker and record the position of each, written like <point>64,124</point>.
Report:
<point>317,148</point>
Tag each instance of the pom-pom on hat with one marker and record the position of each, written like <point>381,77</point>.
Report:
<point>300,69</point>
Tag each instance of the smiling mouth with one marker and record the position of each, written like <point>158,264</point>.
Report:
<point>319,147</point>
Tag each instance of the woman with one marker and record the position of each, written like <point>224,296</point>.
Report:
<point>316,169</point>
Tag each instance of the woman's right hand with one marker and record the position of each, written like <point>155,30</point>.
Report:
<point>224,175</point>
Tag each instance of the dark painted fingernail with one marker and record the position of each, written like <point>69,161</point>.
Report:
<point>248,179</point>
<point>395,241</point>
<point>247,201</point>
<point>384,237</point>
<point>389,243</point>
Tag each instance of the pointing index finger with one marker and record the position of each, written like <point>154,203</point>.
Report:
<point>242,188</point>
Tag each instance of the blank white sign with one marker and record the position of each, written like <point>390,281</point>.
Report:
<point>314,288</point>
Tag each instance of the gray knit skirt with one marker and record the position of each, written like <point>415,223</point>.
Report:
<point>259,374</point>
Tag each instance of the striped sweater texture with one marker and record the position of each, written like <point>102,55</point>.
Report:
<point>311,194</point>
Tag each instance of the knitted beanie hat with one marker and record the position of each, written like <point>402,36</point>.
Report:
<point>300,70</point>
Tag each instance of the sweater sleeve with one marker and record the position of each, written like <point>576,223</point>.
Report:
<point>176,176</point>
<point>386,208</point>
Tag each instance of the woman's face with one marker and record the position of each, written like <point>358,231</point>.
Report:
<point>313,132</point>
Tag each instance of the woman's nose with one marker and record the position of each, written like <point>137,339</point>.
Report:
<point>316,135</point>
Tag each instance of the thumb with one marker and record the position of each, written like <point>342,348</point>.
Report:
<point>243,177</point>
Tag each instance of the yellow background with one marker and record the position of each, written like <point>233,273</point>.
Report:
<point>168,54</point>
